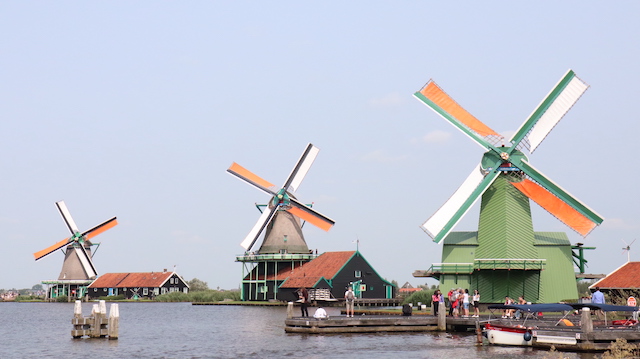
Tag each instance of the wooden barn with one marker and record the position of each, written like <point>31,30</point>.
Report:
<point>329,275</point>
<point>145,285</point>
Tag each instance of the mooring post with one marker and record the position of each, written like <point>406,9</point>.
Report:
<point>586,322</point>
<point>114,319</point>
<point>95,327</point>
<point>442,317</point>
<point>478,332</point>
<point>289,310</point>
<point>77,309</point>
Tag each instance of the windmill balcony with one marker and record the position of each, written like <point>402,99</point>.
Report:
<point>256,257</point>
<point>437,269</point>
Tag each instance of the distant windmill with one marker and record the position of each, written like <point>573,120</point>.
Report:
<point>78,263</point>
<point>627,249</point>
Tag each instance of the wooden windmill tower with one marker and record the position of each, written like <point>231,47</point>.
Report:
<point>505,256</point>
<point>78,270</point>
<point>283,247</point>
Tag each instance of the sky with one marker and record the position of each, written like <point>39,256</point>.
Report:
<point>136,110</point>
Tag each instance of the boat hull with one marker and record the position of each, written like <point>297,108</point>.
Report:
<point>508,335</point>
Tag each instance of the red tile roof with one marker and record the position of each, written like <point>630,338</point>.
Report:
<point>325,265</point>
<point>133,280</point>
<point>410,290</point>
<point>626,276</point>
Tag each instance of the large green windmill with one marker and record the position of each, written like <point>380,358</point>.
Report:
<point>505,256</point>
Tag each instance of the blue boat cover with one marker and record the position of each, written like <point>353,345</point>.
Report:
<point>604,307</point>
<point>534,308</point>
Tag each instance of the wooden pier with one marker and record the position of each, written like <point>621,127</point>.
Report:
<point>362,323</point>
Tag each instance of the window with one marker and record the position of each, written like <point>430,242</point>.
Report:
<point>185,290</point>
<point>164,290</point>
<point>145,291</point>
<point>358,274</point>
<point>156,291</point>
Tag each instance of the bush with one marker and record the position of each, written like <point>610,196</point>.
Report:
<point>204,296</point>
<point>112,297</point>
<point>423,296</point>
<point>62,299</point>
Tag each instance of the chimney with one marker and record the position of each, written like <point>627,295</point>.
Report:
<point>164,270</point>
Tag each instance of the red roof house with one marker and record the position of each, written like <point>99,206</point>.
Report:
<point>623,281</point>
<point>137,285</point>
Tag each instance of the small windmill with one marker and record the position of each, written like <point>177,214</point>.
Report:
<point>627,249</point>
<point>282,215</point>
<point>78,263</point>
<point>283,247</point>
<point>505,180</point>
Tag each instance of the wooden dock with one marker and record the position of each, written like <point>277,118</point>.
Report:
<point>363,322</point>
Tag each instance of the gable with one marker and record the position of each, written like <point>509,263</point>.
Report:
<point>625,277</point>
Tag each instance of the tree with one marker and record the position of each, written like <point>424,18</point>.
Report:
<point>37,287</point>
<point>196,285</point>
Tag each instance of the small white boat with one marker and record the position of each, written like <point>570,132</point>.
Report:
<point>507,332</point>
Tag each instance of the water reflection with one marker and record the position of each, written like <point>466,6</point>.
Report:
<point>180,330</point>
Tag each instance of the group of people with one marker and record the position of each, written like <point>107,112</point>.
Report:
<point>511,313</point>
<point>459,302</point>
<point>303,295</point>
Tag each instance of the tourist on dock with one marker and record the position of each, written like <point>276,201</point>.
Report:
<point>436,298</point>
<point>520,301</point>
<point>304,301</point>
<point>507,312</point>
<point>465,302</point>
<point>597,297</point>
<point>476,303</point>
<point>349,299</point>
<point>451,299</point>
<point>320,313</point>
<point>457,302</point>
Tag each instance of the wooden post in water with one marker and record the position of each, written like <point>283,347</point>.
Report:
<point>586,322</point>
<point>114,319</point>
<point>77,309</point>
<point>442,317</point>
<point>289,310</point>
<point>478,332</point>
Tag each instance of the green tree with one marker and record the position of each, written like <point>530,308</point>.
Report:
<point>196,285</point>
<point>36,287</point>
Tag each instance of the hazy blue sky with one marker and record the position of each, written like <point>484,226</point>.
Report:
<point>136,109</point>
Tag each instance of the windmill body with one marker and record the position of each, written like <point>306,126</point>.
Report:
<point>506,257</point>
<point>283,247</point>
<point>78,270</point>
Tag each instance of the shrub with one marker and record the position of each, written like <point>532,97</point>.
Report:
<point>423,296</point>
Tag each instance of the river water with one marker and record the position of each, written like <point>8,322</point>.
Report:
<point>182,330</point>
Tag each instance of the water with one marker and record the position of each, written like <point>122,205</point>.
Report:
<point>182,330</point>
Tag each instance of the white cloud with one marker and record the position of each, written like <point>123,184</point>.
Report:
<point>186,237</point>
<point>381,156</point>
<point>392,99</point>
<point>618,223</point>
<point>436,137</point>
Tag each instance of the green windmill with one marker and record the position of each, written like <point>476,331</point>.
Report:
<point>506,257</point>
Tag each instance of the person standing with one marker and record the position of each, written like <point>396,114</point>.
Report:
<point>450,297</point>
<point>304,301</point>
<point>349,299</point>
<point>597,297</point>
<point>465,302</point>
<point>476,303</point>
<point>436,298</point>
